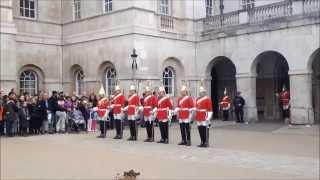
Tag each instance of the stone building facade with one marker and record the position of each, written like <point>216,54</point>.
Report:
<point>252,46</point>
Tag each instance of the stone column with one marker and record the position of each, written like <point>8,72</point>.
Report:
<point>8,31</point>
<point>246,84</point>
<point>301,97</point>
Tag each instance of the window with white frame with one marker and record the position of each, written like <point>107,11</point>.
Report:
<point>76,9</point>
<point>28,82</point>
<point>79,76</point>
<point>247,4</point>
<point>110,80</point>
<point>168,79</point>
<point>164,7</point>
<point>107,6</point>
<point>28,8</point>
<point>209,7</point>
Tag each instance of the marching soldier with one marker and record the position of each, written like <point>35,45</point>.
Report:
<point>132,111</point>
<point>103,112</point>
<point>118,103</point>
<point>225,105</point>
<point>149,105</point>
<point>183,110</point>
<point>203,116</point>
<point>285,104</point>
<point>163,115</point>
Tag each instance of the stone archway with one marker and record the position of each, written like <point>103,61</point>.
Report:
<point>271,70</point>
<point>223,73</point>
<point>316,85</point>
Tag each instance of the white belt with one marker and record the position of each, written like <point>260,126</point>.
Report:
<point>162,109</point>
<point>147,107</point>
<point>184,109</point>
<point>202,110</point>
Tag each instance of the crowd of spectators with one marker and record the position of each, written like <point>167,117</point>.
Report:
<point>25,115</point>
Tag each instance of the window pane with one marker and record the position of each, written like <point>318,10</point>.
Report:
<point>26,13</point>
<point>31,5</point>
<point>32,14</point>
<point>21,3</point>
<point>26,3</point>
<point>21,12</point>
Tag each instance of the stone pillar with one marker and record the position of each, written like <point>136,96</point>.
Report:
<point>301,98</point>
<point>297,7</point>
<point>8,31</point>
<point>246,84</point>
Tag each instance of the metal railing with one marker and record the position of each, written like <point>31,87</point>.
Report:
<point>270,11</point>
<point>166,22</point>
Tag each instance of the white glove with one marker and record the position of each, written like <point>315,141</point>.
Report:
<point>95,109</point>
<point>125,108</point>
<point>176,110</point>
<point>209,117</point>
<point>112,106</point>
<point>154,110</point>
<point>140,108</point>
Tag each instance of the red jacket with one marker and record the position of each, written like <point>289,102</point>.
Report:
<point>118,102</point>
<point>185,104</point>
<point>285,98</point>
<point>164,104</point>
<point>203,106</point>
<point>225,103</point>
<point>149,103</point>
<point>133,103</point>
<point>103,105</point>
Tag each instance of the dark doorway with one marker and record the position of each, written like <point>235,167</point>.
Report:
<point>316,86</point>
<point>223,76</point>
<point>272,74</point>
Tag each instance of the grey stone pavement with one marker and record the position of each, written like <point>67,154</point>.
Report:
<point>253,151</point>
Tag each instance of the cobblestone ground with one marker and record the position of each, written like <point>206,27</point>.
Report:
<point>254,151</point>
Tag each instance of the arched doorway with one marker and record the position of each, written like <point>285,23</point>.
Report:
<point>272,70</point>
<point>316,86</point>
<point>223,74</point>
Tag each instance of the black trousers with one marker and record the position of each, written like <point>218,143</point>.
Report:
<point>164,130</point>
<point>103,128</point>
<point>185,132</point>
<point>133,128</point>
<point>239,114</point>
<point>204,134</point>
<point>225,115</point>
<point>119,128</point>
<point>149,129</point>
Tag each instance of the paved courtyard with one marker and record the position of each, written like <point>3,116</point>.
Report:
<point>254,151</point>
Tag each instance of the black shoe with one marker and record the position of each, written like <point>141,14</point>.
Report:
<point>101,136</point>
<point>188,143</point>
<point>182,143</point>
<point>116,137</point>
<point>134,139</point>
<point>161,141</point>
<point>147,140</point>
<point>205,145</point>
<point>130,139</point>
<point>166,141</point>
<point>200,145</point>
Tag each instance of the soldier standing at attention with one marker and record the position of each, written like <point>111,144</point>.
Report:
<point>118,103</point>
<point>184,107</point>
<point>149,105</point>
<point>203,116</point>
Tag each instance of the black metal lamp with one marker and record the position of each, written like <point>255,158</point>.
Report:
<point>134,57</point>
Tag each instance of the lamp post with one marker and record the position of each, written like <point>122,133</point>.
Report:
<point>134,65</point>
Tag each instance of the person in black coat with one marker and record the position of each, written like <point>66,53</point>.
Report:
<point>238,104</point>
<point>24,116</point>
<point>11,115</point>
<point>53,107</point>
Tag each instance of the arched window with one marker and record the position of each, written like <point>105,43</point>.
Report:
<point>168,77</point>
<point>28,82</point>
<point>110,80</point>
<point>79,76</point>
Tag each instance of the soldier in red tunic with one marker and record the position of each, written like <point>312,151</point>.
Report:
<point>163,115</point>
<point>132,111</point>
<point>285,104</point>
<point>118,102</point>
<point>225,105</point>
<point>103,112</point>
<point>203,116</point>
<point>149,106</point>
<point>184,107</point>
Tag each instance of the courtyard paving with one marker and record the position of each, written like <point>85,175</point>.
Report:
<point>237,151</point>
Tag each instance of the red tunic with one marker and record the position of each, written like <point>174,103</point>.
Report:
<point>164,104</point>
<point>149,103</point>
<point>285,99</point>
<point>185,104</point>
<point>103,105</point>
<point>203,106</point>
<point>118,102</point>
<point>225,103</point>
<point>133,103</point>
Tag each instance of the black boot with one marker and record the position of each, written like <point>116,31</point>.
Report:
<point>187,128</point>
<point>183,134</point>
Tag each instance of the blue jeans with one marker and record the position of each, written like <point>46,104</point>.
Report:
<point>9,126</point>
